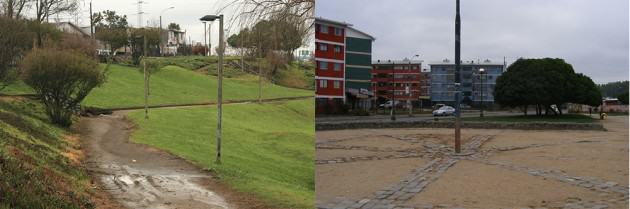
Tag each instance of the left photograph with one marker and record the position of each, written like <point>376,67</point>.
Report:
<point>157,104</point>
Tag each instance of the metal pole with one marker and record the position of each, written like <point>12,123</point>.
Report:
<point>457,79</point>
<point>481,78</point>
<point>393,111</point>
<point>220,93</point>
<point>91,22</point>
<point>146,89</point>
<point>160,36</point>
<point>409,104</point>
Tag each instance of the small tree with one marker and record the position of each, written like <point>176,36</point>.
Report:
<point>62,78</point>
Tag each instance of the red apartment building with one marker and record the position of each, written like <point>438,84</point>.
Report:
<point>402,79</point>
<point>329,59</point>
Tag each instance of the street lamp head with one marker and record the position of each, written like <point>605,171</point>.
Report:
<point>481,70</point>
<point>211,17</point>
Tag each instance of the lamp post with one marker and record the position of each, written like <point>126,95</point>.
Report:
<point>481,72</point>
<point>393,110</point>
<point>457,78</point>
<point>220,78</point>
<point>160,29</point>
<point>409,103</point>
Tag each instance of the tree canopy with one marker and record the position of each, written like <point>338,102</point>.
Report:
<point>173,26</point>
<point>111,28</point>
<point>542,83</point>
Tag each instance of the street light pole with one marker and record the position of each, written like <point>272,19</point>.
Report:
<point>457,79</point>
<point>220,78</point>
<point>393,111</point>
<point>481,72</point>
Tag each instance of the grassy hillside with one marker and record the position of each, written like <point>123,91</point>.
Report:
<point>174,85</point>
<point>268,149</point>
<point>38,161</point>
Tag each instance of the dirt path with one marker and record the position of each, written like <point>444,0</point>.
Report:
<point>139,176</point>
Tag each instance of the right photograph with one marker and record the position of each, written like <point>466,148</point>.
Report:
<point>471,104</point>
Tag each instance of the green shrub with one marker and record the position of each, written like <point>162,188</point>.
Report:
<point>62,78</point>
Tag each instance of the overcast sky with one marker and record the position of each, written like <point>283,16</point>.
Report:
<point>591,35</point>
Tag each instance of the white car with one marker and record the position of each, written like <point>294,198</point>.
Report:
<point>444,111</point>
<point>388,104</point>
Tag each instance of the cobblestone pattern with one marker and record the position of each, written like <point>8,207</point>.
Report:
<point>395,196</point>
<point>586,182</point>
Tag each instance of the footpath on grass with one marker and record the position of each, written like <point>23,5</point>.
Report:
<point>252,176</point>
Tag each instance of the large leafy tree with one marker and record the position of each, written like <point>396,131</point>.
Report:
<point>111,28</point>
<point>542,83</point>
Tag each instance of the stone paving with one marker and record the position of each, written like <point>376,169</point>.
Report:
<point>443,157</point>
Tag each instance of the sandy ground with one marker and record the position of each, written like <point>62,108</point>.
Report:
<point>138,176</point>
<point>471,184</point>
<point>358,179</point>
<point>474,185</point>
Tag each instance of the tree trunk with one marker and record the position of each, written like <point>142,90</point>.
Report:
<point>525,110</point>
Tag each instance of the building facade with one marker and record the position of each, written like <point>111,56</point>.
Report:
<point>473,82</point>
<point>399,79</point>
<point>343,62</point>
<point>358,62</point>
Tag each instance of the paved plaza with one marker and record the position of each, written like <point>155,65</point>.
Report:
<point>417,168</point>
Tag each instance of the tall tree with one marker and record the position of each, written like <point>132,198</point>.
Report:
<point>111,28</point>
<point>15,39</point>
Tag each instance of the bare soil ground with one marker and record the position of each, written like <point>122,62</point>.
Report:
<point>536,168</point>
<point>138,176</point>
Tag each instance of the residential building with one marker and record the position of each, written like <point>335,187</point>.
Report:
<point>443,80</point>
<point>343,62</point>
<point>171,40</point>
<point>68,27</point>
<point>358,64</point>
<point>330,65</point>
<point>402,80</point>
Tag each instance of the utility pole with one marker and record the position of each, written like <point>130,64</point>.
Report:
<point>259,74</point>
<point>210,39</point>
<point>91,22</point>
<point>457,79</point>
<point>146,83</point>
<point>220,96</point>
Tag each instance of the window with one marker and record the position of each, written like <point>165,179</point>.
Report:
<point>337,49</point>
<point>323,47</point>
<point>323,29</point>
<point>338,32</point>
<point>337,67</point>
<point>336,84</point>
<point>323,65</point>
<point>323,84</point>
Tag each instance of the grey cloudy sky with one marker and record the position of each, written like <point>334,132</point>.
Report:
<point>591,35</point>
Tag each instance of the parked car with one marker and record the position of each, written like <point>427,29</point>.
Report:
<point>388,104</point>
<point>444,111</point>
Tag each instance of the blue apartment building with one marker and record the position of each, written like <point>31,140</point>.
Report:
<point>443,82</point>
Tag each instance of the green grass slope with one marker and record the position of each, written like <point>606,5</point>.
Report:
<point>268,149</point>
<point>174,85</point>
<point>34,169</point>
